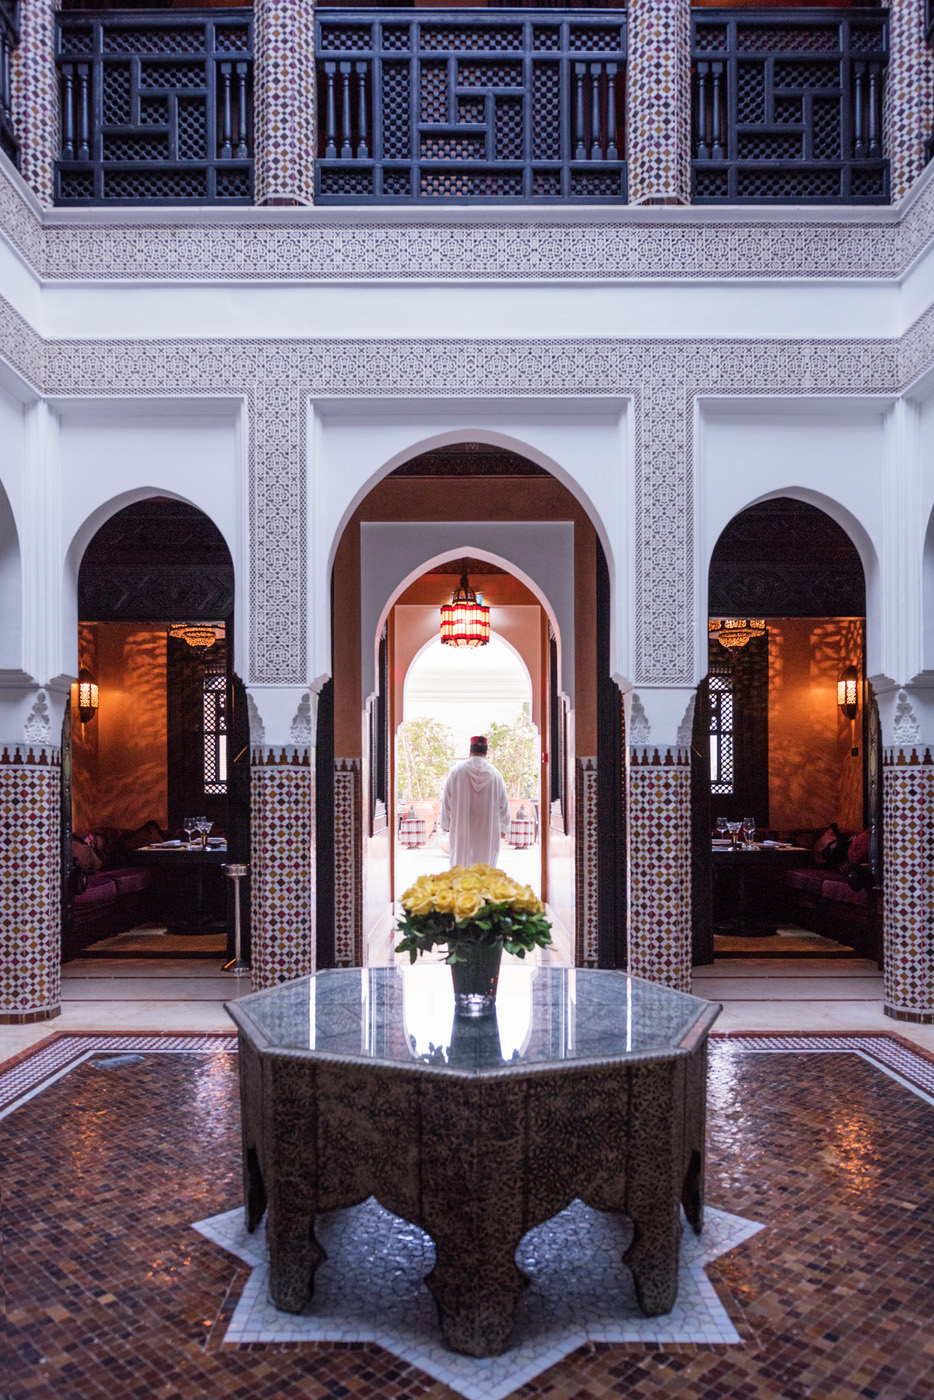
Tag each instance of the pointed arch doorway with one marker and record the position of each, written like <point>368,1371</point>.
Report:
<point>493,504</point>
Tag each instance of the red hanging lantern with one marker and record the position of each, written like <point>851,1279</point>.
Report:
<point>465,620</point>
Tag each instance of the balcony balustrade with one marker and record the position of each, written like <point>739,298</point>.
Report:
<point>788,107</point>
<point>448,106</point>
<point>465,106</point>
<point>9,38</point>
<point>156,108</point>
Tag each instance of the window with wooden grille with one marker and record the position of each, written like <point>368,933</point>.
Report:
<point>721,731</point>
<point>214,703</point>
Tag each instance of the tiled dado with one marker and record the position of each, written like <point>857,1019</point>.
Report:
<point>658,86</point>
<point>585,863</point>
<point>34,96</point>
<point>908,863</point>
<point>282,870</point>
<point>30,884</point>
<point>283,38</point>
<point>660,866</point>
<point>348,863</point>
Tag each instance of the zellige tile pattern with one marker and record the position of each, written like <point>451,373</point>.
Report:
<point>109,1292</point>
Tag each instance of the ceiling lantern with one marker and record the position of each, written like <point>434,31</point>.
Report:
<point>465,620</point>
<point>736,631</point>
<point>196,634</point>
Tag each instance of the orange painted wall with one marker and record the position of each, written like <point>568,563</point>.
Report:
<point>119,763</point>
<point>813,777</point>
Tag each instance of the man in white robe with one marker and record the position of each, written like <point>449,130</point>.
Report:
<point>475,808</point>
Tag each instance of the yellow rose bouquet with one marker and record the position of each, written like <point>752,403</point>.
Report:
<point>474,904</point>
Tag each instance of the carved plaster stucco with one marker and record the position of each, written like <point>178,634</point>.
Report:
<point>480,243</point>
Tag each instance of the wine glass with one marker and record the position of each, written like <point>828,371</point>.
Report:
<point>749,830</point>
<point>733,828</point>
<point>189,825</point>
<point>723,826</point>
<point>204,826</point>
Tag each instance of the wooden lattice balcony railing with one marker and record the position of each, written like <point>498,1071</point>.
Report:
<point>788,106</point>
<point>476,105</point>
<point>156,107</point>
<point>458,106</point>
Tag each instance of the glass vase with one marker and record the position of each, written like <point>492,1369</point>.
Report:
<point>475,979</point>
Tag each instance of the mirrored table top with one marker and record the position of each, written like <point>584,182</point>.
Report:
<point>404,1016</point>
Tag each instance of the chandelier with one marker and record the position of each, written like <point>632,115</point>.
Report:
<point>196,634</point>
<point>465,620</point>
<point>735,631</point>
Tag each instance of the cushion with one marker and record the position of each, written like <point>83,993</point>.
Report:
<point>840,893</point>
<point>131,880</point>
<point>143,835</point>
<point>83,854</point>
<point>94,899</point>
<point>858,853</point>
<point>831,848</point>
<point>809,882</point>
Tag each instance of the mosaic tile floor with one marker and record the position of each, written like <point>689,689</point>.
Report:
<point>112,1146</point>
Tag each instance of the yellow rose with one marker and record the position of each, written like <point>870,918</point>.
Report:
<point>467,903</point>
<point>500,891</point>
<point>417,901</point>
<point>481,869</point>
<point>469,882</point>
<point>444,899</point>
<point>455,872</point>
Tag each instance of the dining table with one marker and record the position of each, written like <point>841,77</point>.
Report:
<point>741,884</point>
<point>189,885</point>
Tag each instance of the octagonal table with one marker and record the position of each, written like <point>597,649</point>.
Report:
<point>362,1082</point>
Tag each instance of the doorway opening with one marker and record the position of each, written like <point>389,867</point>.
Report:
<point>785,734</point>
<point>163,743</point>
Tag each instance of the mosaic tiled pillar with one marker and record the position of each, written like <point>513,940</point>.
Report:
<point>658,101</point>
<point>282,878</point>
<point>909,94</point>
<point>30,884</point>
<point>34,93</point>
<point>585,862</point>
<point>348,863</point>
<point>908,875</point>
<point>660,866</point>
<point>284,87</point>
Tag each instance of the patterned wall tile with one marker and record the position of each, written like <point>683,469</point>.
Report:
<point>909,94</point>
<point>660,866</point>
<point>348,863</point>
<point>658,96</point>
<point>908,862</point>
<point>282,871</point>
<point>283,37</point>
<point>30,884</point>
<point>585,864</point>
<point>34,96</point>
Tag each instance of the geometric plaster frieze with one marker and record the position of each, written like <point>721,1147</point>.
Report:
<point>648,244</point>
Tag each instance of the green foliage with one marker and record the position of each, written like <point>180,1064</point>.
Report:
<point>513,749</point>
<point>425,754</point>
<point>519,930</point>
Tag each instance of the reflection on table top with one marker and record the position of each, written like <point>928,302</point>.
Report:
<point>188,855</point>
<point>404,1017</point>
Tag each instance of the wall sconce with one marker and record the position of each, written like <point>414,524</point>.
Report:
<point>88,696</point>
<point>848,692</point>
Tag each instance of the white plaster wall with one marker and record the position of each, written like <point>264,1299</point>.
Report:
<point>111,454</point>
<point>12,438</point>
<point>479,308</point>
<point>833,453</point>
<point>586,445</point>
